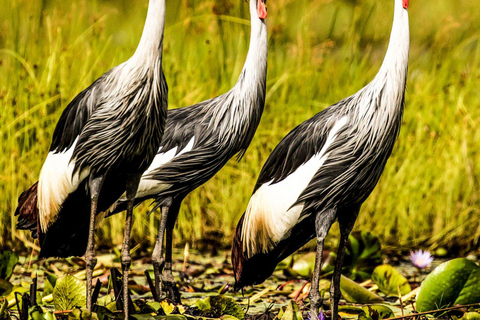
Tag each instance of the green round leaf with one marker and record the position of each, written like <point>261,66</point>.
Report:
<point>375,312</point>
<point>69,293</point>
<point>220,305</point>
<point>389,280</point>
<point>453,282</point>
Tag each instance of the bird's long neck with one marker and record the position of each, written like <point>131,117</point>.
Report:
<point>150,48</point>
<point>254,73</point>
<point>396,59</point>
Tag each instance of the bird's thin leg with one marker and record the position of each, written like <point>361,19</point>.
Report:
<point>346,226</point>
<point>169,281</point>
<point>323,222</point>
<point>90,257</point>
<point>315,297</point>
<point>132,185</point>
<point>157,255</point>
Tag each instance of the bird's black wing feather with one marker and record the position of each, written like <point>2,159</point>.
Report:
<point>75,116</point>
<point>297,147</point>
<point>191,169</point>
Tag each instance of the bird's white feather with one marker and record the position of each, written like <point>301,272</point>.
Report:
<point>149,186</point>
<point>270,215</point>
<point>56,182</point>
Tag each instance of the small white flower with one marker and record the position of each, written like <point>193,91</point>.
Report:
<point>421,259</point>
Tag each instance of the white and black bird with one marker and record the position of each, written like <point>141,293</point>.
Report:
<point>105,139</point>
<point>323,171</point>
<point>199,140</point>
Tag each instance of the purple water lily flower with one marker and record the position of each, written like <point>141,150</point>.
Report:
<point>321,316</point>
<point>421,259</point>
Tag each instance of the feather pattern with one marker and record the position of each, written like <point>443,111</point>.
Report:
<point>354,138</point>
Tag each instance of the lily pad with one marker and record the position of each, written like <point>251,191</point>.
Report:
<point>36,313</point>
<point>349,312</point>
<point>5,287</point>
<point>8,260</point>
<point>453,282</point>
<point>375,312</point>
<point>167,307</point>
<point>69,293</point>
<point>82,314</point>
<point>389,281</point>
<point>217,306</point>
<point>471,316</point>
<point>355,293</point>
<point>363,253</point>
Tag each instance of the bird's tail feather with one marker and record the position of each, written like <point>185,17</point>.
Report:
<point>257,268</point>
<point>27,210</point>
<point>68,234</point>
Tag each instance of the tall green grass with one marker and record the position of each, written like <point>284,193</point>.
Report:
<point>319,52</point>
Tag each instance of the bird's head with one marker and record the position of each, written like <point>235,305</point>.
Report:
<point>405,3</point>
<point>262,9</point>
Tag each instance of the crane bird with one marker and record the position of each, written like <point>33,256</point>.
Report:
<point>323,171</point>
<point>106,137</point>
<point>199,140</point>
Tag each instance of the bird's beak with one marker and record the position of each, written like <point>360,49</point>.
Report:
<point>405,3</point>
<point>262,9</point>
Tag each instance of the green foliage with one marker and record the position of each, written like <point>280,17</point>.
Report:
<point>390,281</point>
<point>290,312</point>
<point>51,50</point>
<point>217,306</point>
<point>4,309</point>
<point>355,293</point>
<point>68,293</point>
<point>304,265</point>
<point>376,312</point>
<point>5,288</point>
<point>471,316</point>
<point>8,260</point>
<point>82,314</point>
<point>363,253</point>
<point>50,281</point>
<point>453,282</point>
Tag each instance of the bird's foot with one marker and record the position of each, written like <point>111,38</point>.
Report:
<point>170,288</point>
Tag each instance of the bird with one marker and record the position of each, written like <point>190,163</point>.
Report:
<point>106,137</point>
<point>321,172</point>
<point>198,141</point>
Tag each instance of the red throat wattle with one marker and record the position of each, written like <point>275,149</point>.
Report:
<point>262,9</point>
<point>405,4</point>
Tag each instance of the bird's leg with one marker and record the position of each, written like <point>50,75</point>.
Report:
<point>323,222</point>
<point>169,281</point>
<point>95,186</point>
<point>157,255</point>
<point>315,297</point>
<point>132,185</point>
<point>346,225</point>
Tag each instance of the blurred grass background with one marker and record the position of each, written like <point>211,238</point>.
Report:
<point>319,52</point>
